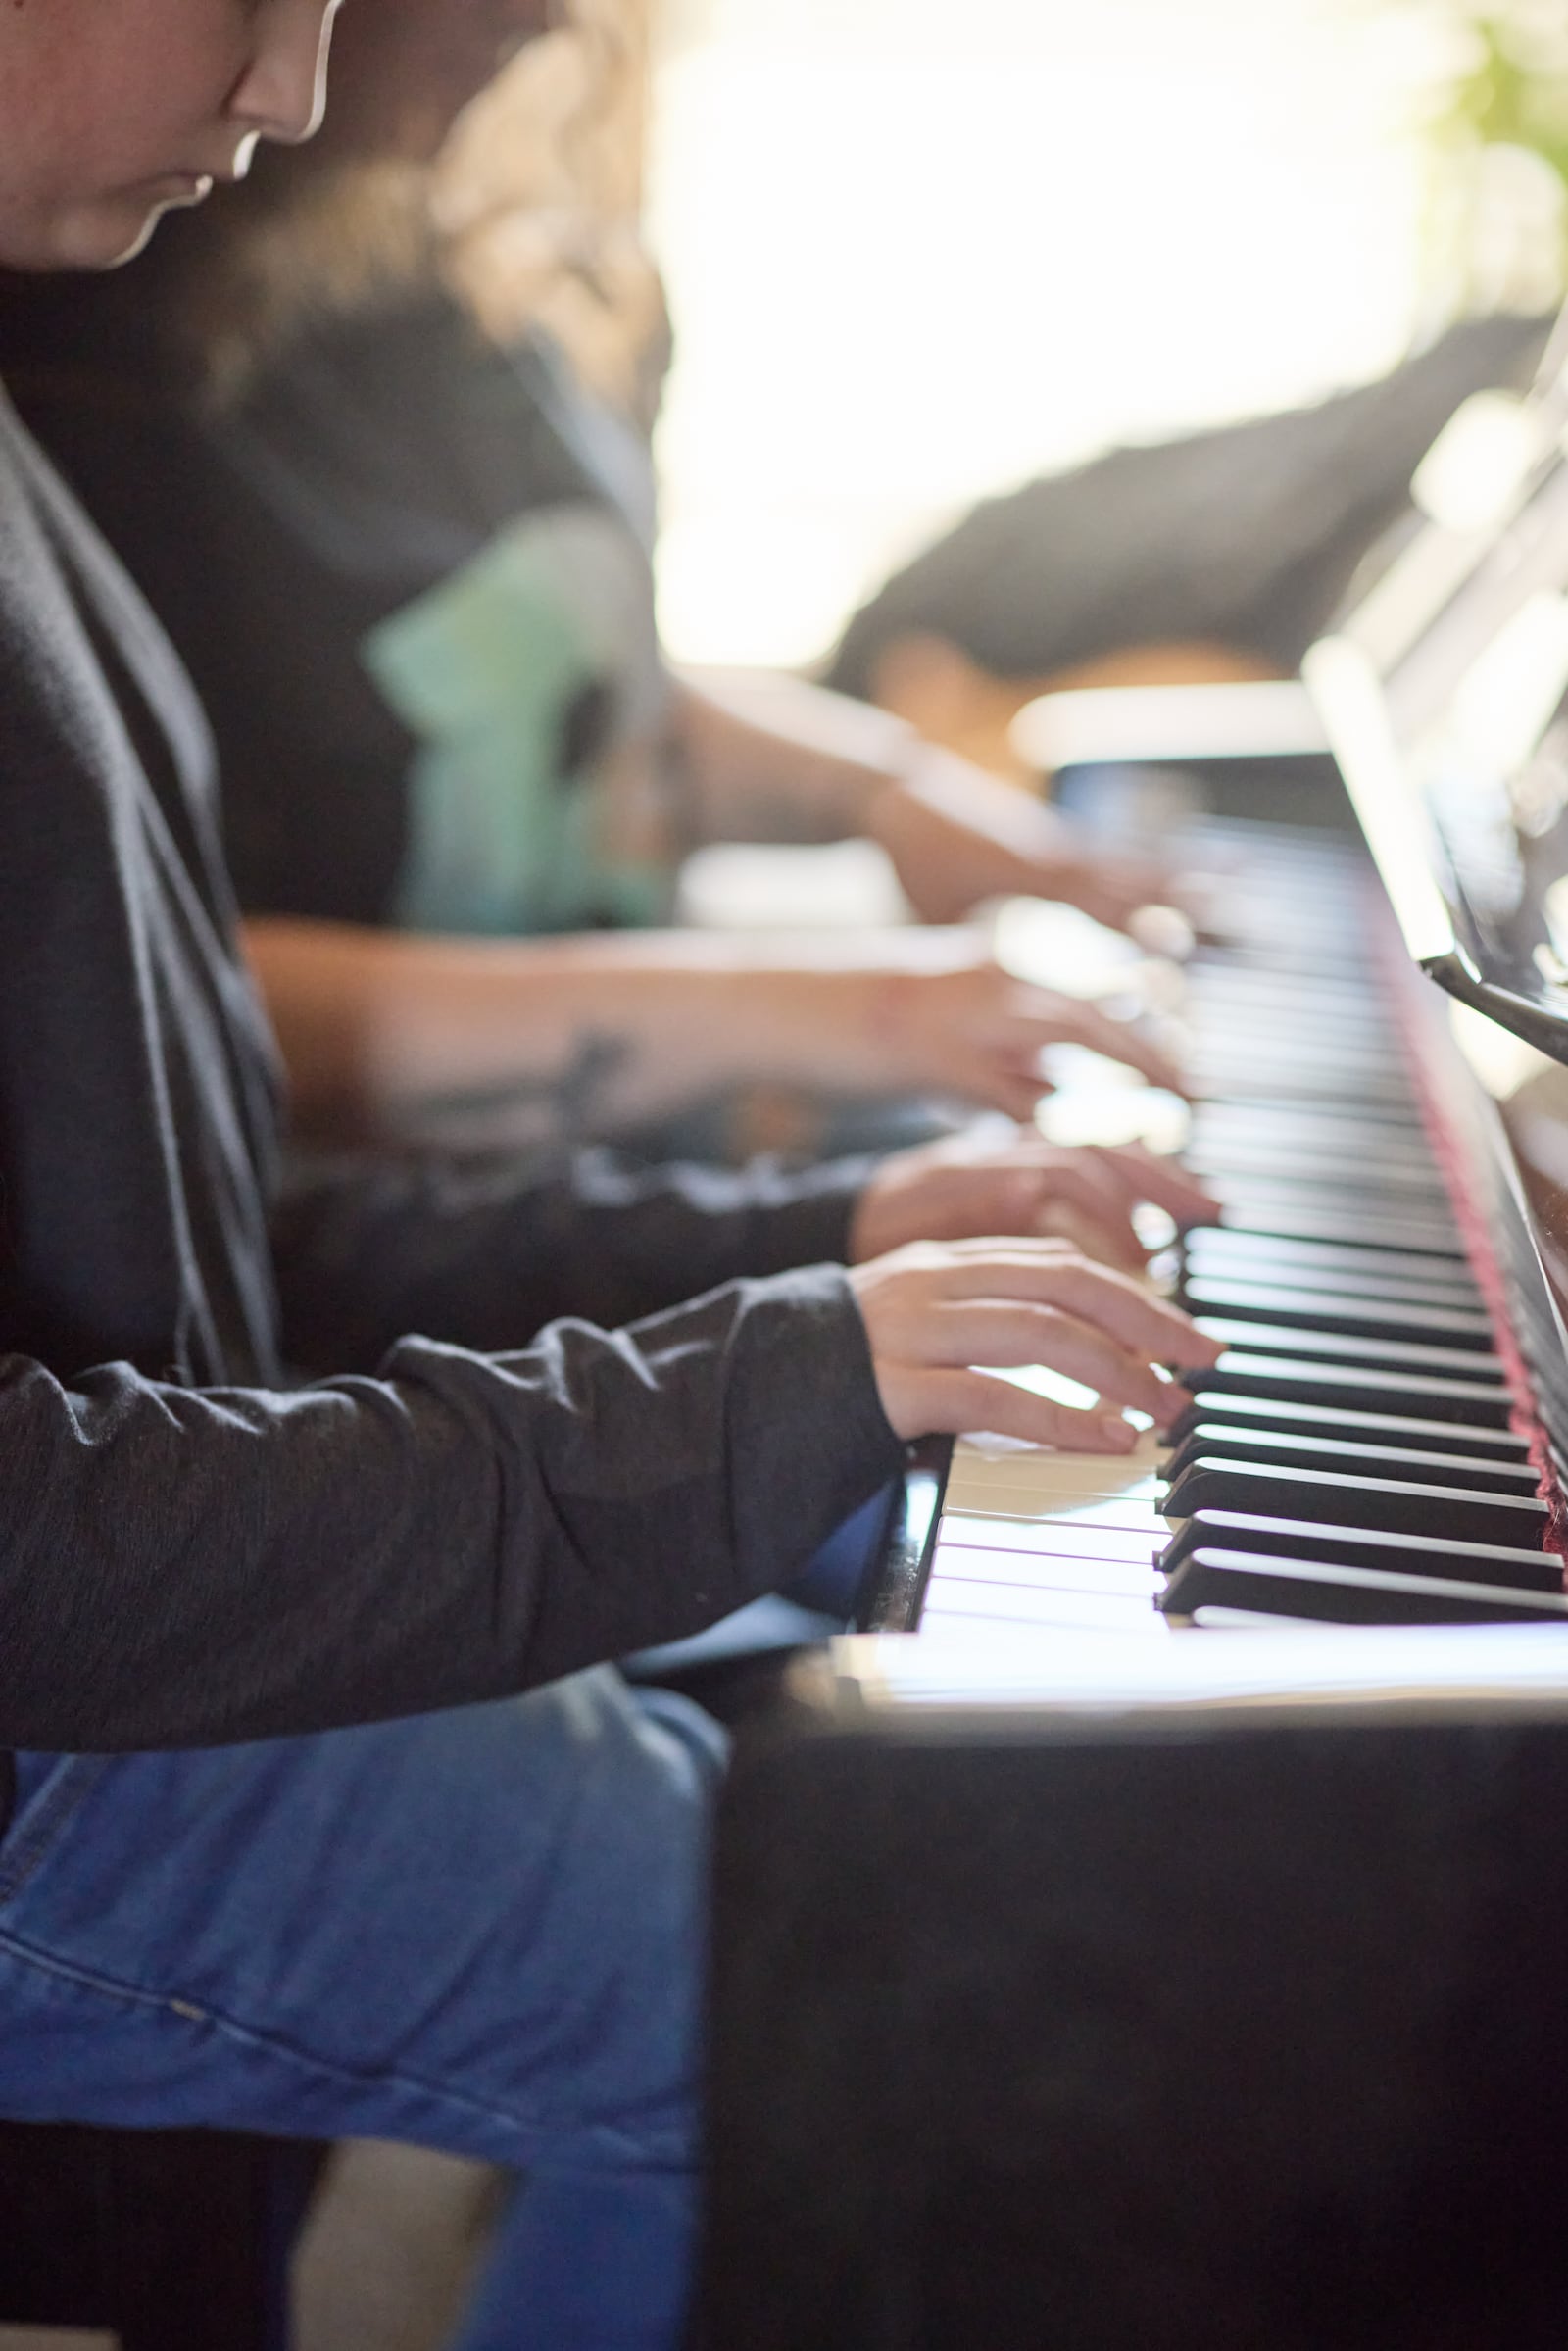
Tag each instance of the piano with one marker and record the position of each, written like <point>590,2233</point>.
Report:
<point>1150,1928</point>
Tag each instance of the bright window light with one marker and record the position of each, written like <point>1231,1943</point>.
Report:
<point>918,252</point>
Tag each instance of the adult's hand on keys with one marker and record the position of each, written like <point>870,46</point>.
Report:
<point>933,1311</point>
<point>957,836</point>
<point>966,1186</point>
<point>971,1029</point>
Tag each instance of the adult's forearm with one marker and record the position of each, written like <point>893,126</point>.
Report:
<point>770,758</point>
<point>595,1032</point>
<point>782,762</point>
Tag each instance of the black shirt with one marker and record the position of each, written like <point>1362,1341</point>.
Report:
<point>190,1550</point>
<point>410,572</point>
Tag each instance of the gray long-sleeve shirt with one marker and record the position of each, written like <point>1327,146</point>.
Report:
<point>191,1550</point>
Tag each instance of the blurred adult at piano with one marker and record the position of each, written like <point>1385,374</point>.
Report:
<point>406,555</point>
<point>1218,555</point>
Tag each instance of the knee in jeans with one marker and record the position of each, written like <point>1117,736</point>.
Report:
<point>647,1762</point>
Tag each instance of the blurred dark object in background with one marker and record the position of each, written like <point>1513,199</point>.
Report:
<point>1222,552</point>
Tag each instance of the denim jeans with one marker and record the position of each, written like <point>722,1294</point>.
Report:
<point>481,1929</point>
<point>820,1601</point>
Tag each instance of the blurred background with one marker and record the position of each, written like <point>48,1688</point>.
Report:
<point>917,250</point>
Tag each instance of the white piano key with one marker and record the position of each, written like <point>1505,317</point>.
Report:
<point>998,1452</point>
<point>1251,1620</point>
<point>1065,1491</point>
<point>1127,1510</point>
<point>1062,1547</point>
<point>1060,1469</point>
<point>1132,1512</point>
<point>1131,1579</point>
<point>1054,1481</point>
<point>969,1603</point>
<point>969,1531</point>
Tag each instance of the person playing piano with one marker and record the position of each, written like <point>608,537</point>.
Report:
<point>283,1846</point>
<point>407,564</point>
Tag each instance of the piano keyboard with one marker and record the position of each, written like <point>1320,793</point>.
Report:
<point>1353,1455</point>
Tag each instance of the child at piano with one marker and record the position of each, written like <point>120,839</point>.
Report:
<point>321,1812</point>
<point>405,558</point>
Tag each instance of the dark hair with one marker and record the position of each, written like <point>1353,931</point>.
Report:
<point>528,215</point>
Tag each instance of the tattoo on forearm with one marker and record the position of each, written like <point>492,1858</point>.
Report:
<point>563,1106</point>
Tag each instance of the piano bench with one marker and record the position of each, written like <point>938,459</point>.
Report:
<point>172,2240</point>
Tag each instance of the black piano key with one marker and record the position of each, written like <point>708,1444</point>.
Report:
<point>1207,1253</point>
<point>1459,1328</point>
<point>1309,1054</point>
<point>1313,1116</point>
<point>1319,1040</point>
<point>1302,1019</point>
<point>1302,1343</point>
<point>1275,1072</point>
<point>1402,1262</point>
<point>1225,1159</point>
<point>1306,1220</point>
<point>1260,1002</point>
<point>1410,1170</point>
<point>1207,1483</point>
<point>1393,1126</point>
<point>1221,972</point>
<point>1292,1146</point>
<point>1249,989</point>
<point>1345,1594</point>
<point>1316,1116</point>
<point>1232,1160</point>
<point>1229,1155</point>
<point>1207,1080</point>
<point>1312,1265</point>
<point>1256,1001</point>
<point>1339,1195</point>
<point>1254,974</point>
<point>1258,1204</point>
<point>1350,1135</point>
<point>1241,985</point>
<point>1301,1288</point>
<point>1240,991</point>
<point>1330,1421</point>
<point>1247,1441</point>
<point>1245,1002</point>
<point>1387,1354</point>
<point>1429,1554</point>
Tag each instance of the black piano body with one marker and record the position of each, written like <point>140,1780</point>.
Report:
<point>1232,2037</point>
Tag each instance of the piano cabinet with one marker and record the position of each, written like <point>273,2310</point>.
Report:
<point>1227,2040</point>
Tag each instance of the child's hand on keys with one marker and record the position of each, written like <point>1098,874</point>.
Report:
<point>934,1312</point>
